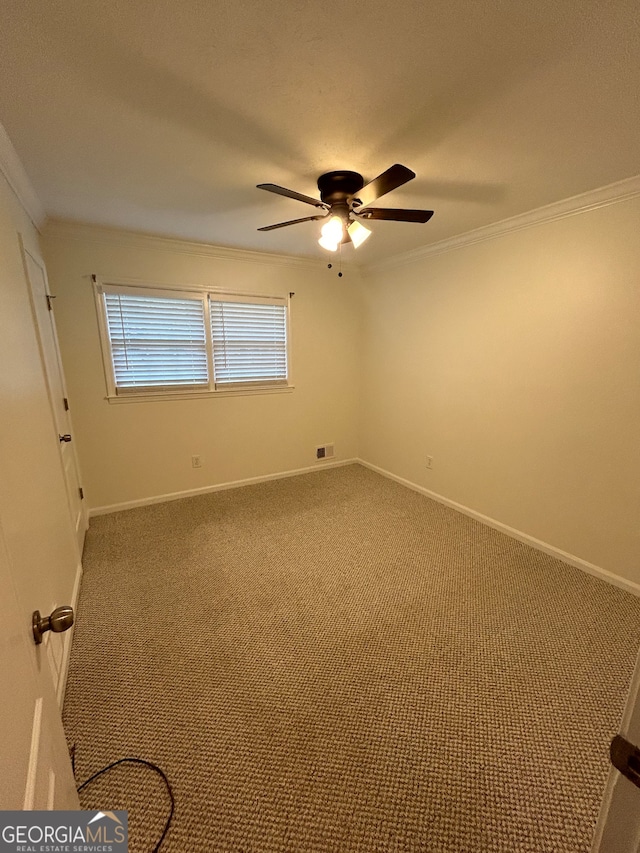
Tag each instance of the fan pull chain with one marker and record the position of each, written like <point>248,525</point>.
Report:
<point>330,266</point>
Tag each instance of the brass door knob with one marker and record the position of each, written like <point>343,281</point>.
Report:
<point>60,620</point>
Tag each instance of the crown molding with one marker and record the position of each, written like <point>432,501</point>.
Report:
<point>620,191</point>
<point>102,235</point>
<point>592,200</point>
<point>18,180</point>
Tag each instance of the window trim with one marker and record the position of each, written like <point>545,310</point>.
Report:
<point>174,392</point>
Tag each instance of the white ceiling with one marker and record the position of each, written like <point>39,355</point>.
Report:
<point>163,115</point>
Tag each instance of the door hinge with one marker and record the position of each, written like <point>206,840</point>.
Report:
<point>66,404</point>
<point>625,757</point>
<point>81,492</point>
<point>49,298</point>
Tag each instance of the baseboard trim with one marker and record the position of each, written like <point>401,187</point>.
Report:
<point>68,641</point>
<point>218,487</point>
<point>565,557</point>
<point>539,545</point>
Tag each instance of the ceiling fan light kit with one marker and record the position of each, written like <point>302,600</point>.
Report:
<point>358,233</point>
<point>344,198</point>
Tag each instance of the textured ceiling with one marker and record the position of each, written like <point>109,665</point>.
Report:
<point>163,115</point>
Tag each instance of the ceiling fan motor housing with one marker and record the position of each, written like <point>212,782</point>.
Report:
<point>336,187</point>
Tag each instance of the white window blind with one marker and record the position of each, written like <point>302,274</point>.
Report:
<point>249,341</point>
<point>156,341</point>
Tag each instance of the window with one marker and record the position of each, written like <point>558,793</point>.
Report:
<point>158,342</point>
<point>249,341</point>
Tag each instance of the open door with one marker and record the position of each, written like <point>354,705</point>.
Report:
<point>618,827</point>
<point>36,770</point>
<point>39,561</point>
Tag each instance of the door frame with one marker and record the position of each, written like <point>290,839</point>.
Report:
<point>618,826</point>
<point>58,367</point>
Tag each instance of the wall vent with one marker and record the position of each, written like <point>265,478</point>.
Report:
<point>325,451</point>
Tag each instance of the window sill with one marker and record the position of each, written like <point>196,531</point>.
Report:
<point>149,396</point>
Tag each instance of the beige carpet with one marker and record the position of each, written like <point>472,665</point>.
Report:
<point>335,663</point>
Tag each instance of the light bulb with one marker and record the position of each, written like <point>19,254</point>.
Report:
<point>327,243</point>
<point>333,230</point>
<point>358,233</point>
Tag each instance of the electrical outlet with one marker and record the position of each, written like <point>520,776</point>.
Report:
<point>429,462</point>
<point>196,462</point>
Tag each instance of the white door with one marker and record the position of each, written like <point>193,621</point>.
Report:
<point>618,828</point>
<point>36,771</point>
<point>42,304</point>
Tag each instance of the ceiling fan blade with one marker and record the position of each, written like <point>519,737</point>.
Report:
<point>274,188</point>
<point>293,222</point>
<point>394,177</point>
<point>395,214</point>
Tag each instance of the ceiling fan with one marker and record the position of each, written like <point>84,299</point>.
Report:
<point>344,202</point>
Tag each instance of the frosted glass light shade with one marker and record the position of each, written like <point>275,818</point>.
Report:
<point>358,233</point>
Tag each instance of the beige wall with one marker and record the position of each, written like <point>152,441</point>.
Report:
<point>136,450</point>
<point>515,364</point>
